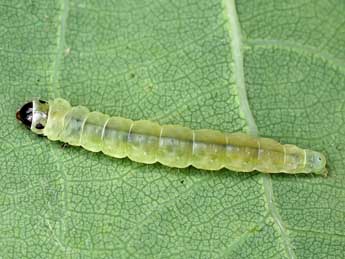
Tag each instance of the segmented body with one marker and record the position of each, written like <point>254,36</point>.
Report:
<point>172,145</point>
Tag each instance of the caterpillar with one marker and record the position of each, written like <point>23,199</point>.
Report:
<point>171,145</point>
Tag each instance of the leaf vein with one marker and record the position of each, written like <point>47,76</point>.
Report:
<point>304,49</point>
<point>236,46</point>
<point>60,47</point>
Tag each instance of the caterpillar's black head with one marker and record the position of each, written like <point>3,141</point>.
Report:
<point>24,114</point>
<point>34,115</point>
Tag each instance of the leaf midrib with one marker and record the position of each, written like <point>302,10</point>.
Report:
<point>61,43</point>
<point>237,48</point>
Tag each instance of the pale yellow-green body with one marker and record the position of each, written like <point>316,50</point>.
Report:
<point>175,146</point>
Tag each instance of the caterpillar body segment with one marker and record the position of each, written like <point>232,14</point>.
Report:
<point>171,145</point>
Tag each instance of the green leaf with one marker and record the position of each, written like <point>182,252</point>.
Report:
<point>273,68</point>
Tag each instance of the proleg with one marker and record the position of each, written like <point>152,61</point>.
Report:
<point>171,145</point>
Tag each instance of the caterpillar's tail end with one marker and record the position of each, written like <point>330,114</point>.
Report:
<point>315,163</point>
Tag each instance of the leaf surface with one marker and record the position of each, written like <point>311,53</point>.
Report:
<point>268,68</point>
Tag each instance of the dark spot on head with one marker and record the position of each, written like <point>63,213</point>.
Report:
<point>41,101</point>
<point>39,126</point>
<point>25,114</point>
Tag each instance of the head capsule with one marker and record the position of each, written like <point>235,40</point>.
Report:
<point>34,115</point>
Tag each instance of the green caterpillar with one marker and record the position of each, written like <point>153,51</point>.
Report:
<point>171,145</point>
